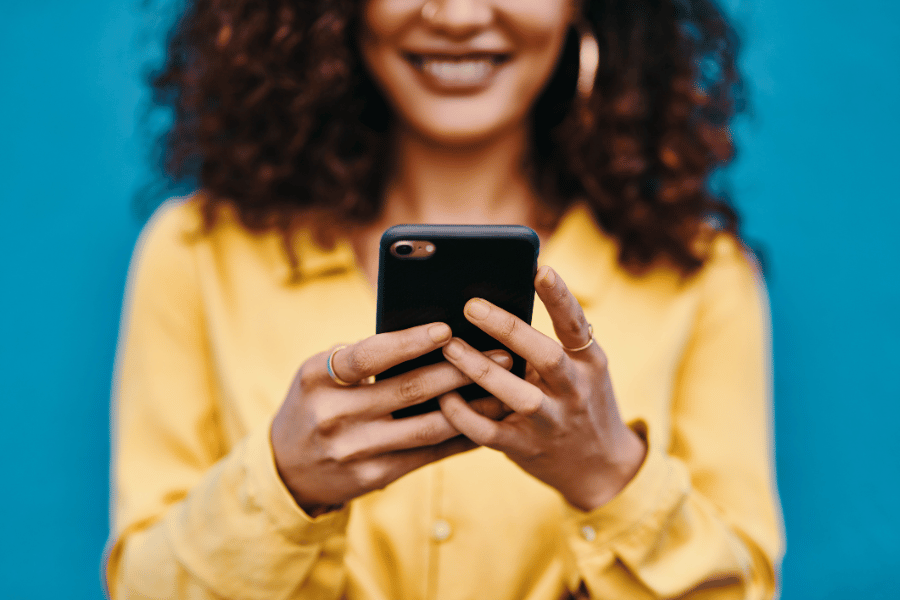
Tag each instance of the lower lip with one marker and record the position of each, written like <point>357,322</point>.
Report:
<point>457,75</point>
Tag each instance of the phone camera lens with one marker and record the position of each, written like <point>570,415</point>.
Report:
<point>404,249</point>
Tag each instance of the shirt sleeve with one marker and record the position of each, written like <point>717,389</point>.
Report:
<point>701,518</point>
<point>192,519</point>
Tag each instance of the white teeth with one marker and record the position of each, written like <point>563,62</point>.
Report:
<point>467,71</point>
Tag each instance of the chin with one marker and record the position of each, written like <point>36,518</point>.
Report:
<point>459,139</point>
<point>462,129</point>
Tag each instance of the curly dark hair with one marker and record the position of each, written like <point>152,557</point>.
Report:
<point>275,114</point>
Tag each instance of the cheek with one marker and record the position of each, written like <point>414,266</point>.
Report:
<point>384,22</point>
<point>537,22</point>
<point>384,19</point>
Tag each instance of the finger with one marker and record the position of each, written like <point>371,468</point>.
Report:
<point>542,352</point>
<point>393,435</point>
<point>375,473</point>
<point>568,318</point>
<point>491,408</point>
<point>518,394</point>
<point>419,385</point>
<point>482,430</point>
<point>382,351</point>
<point>531,376</point>
<point>398,464</point>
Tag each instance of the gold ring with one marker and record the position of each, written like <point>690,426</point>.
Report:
<point>586,346</point>
<point>330,366</point>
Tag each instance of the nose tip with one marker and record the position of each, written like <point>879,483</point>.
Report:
<point>457,17</point>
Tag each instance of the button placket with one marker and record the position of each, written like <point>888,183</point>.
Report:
<point>441,530</point>
<point>588,533</point>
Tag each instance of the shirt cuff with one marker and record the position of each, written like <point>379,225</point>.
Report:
<point>277,502</point>
<point>643,503</point>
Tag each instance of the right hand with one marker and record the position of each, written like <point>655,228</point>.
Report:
<point>334,443</point>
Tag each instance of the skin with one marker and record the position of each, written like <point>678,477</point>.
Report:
<point>531,31</point>
<point>335,443</point>
<point>460,156</point>
<point>565,428</point>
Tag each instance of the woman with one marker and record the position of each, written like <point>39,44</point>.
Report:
<point>312,127</point>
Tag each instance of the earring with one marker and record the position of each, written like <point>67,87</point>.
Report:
<point>429,11</point>
<point>588,60</point>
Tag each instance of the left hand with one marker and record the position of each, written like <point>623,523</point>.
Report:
<point>565,428</point>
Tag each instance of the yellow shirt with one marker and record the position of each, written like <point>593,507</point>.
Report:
<point>213,334</point>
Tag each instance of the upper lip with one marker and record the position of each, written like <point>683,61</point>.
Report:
<point>418,55</point>
<point>456,52</point>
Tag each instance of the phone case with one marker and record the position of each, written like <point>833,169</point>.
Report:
<point>494,262</point>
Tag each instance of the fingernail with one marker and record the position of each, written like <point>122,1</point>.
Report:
<point>454,349</point>
<point>439,332</point>
<point>549,277</point>
<point>502,358</point>
<point>477,308</point>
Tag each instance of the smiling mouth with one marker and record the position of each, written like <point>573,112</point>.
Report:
<point>458,72</point>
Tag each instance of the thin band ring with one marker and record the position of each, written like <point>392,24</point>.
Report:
<point>586,346</point>
<point>330,366</point>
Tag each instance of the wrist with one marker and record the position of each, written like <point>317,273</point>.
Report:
<point>611,474</point>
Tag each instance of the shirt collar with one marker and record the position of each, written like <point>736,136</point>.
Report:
<point>315,261</point>
<point>582,254</point>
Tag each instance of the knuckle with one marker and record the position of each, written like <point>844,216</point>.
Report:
<point>371,475</point>
<point>508,327</point>
<point>451,409</point>
<point>307,376</point>
<point>412,389</point>
<point>482,370</point>
<point>490,437</point>
<point>361,360</point>
<point>341,452</point>
<point>532,404</point>
<point>326,420</point>
<point>555,358</point>
<point>532,452</point>
<point>577,325</point>
<point>426,434</point>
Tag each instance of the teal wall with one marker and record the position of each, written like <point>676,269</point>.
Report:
<point>816,180</point>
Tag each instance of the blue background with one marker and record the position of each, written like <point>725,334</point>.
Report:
<point>816,181</point>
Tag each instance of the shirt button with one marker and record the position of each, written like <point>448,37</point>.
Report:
<point>589,533</point>
<point>440,530</point>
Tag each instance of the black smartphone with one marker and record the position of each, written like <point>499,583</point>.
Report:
<point>427,273</point>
